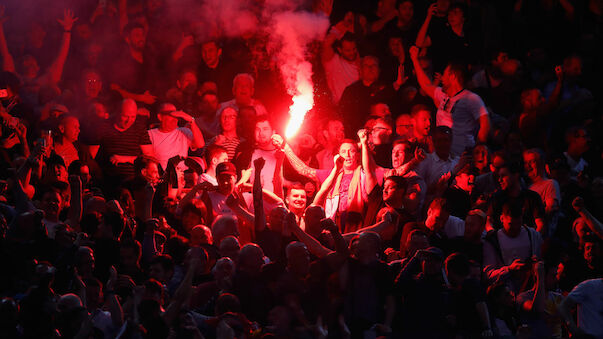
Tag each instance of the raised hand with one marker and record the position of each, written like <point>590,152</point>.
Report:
<point>414,52</point>
<point>578,204</point>
<point>182,115</point>
<point>559,72</point>
<point>259,163</point>
<point>68,20</point>
<point>338,161</point>
<point>147,98</point>
<point>432,10</point>
<point>278,141</point>
<point>363,136</point>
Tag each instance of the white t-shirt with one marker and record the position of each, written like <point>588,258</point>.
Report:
<point>340,74</point>
<point>461,113</point>
<point>548,190</point>
<point>267,175</point>
<point>168,145</point>
<point>218,204</point>
<point>589,296</point>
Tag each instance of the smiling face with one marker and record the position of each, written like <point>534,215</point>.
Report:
<point>532,165</point>
<point>127,116</point>
<point>296,200</point>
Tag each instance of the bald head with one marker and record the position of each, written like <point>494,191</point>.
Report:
<point>127,115</point>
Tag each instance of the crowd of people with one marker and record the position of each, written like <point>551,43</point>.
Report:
<point>448,182</point>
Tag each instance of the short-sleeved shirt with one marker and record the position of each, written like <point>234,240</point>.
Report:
<point>432,167</point>
<point>128,142</point>
<point>461,113</point>
<point>589,296</point>
<point>532,207</point>
<point>168,145</point>
<point>548,190</point>
<point>340,74</point>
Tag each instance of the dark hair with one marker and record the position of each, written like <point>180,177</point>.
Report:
<point>262,118</point>
<point>512,209</point>
<point>213,151</point>
<point>142,162</point>
<point>418,108</point>
<point>166,262</point>
<point>513,166</point>
<point>459,71</point>
<point>132,26</point>
<point>441,203</point>
<point>458,263</point>
<point>75,167</point>
<point>400,181</point>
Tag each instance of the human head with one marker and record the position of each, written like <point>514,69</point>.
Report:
<point>531,99</point>
<point>381,110</point>
<point>130,252</point>
<point>215,154</point>
<point>296,199</point>
<point>421,120</point>
<point>347,47</point>
<point>511,218</point>
<point>456,14</point>
<point>127,115</point>
<point>161,268</point>
<point>369,69</point>
<point>92,83</point>
<point>148,168</point>
<point>437,215</point>
<point>481,157</point>
<point>225,225</point>
<point>572,67</point>
<point>229,247</point>
<point>349,152</point>
<point>201,235</point>
<point>168,122</point>
<point>416,240</point>
<point>402,152</point>
<point>251,259</point>
<point>135,36</point>
<point>314,214</point>
<point>210,53</point>
<point>404,126</point>
<point>465,178</point>
<point>80,169</point>
<point>509,175</point>
<point>432,261</point>
<point>84,261</point>
<point>209,103</point>
<point>263,132</point>
<point>475,222</point>
<point>457,268</point>
<point>69,126</point>
<point>442,141</point>
<point>228,120</point>
<point>226,174</point>
<point>533,163</point>
<point>29,67</point>
<point>243,89</point>
<point>187,81</point>
<point>298,258</point>
<point>578,140</point>
<point>381,131</point>
<point>406,10</point>
<point>367,247</point>
<point>334,132</point>
<point>454,76</point>
<point>394,188</point>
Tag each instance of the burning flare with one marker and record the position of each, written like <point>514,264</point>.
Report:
<point>303,101</point>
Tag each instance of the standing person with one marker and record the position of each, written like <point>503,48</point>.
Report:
<point>214,155</point>
<point>169,140</point>
<point>342,64</point>
<point>333,133</point>
<point>243,89</point>
<point>421,127</point>
<point>121,141</point>
<point>587,297</point>
<point>458,108</point>
<point>67,147</point>
<point>228,137</point>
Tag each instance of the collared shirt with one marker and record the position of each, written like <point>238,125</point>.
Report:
<point>461,113</point>
<point>432,168</point>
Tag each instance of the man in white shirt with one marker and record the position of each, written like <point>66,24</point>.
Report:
<point>342,68</point>
<point>170,140</point>
<point>214,155</point>
<point>458,108</point>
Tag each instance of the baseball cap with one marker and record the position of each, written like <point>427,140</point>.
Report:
<point>226,168</point>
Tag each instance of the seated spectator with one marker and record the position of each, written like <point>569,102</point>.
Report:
<point>228,137</point>
<point>243,89</point>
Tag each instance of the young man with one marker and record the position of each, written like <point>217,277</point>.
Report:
<point>470,114</point>
<point>214,155</point>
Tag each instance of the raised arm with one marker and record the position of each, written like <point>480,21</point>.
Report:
<point>335,33</point>
<point>422,38</point>
<point>368,163</point>
<point>55,71</point>
<point>422,77</point>
<point>325,187</point>
<point>198,141</point>
<point>298,164</point>
<point>8,63</point>
<point>258,202</point>
<point>553,100</point>
<point>314,246</point>
<point>595,225</point>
